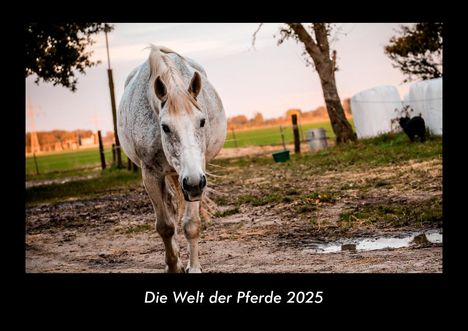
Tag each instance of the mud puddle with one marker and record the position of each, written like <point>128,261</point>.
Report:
<point>376,243</point>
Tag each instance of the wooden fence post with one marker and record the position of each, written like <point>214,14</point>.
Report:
<point>282,137</point>
<point>101,151</point>
<point>35,162</point>
<point>113,153</point>
<point>234,137</point>
<point>297,141</point>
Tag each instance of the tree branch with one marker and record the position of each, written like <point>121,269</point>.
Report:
<point>307,40</point>
<point>321,34</point>
<point>254,36</point>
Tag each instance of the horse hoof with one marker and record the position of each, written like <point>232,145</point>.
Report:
<point>190,270</point>
<point>179,268</point>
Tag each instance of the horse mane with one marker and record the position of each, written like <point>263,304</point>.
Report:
<point>178,97</point>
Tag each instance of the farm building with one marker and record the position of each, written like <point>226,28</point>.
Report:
<point>374,109</point>
<point>89,141</point>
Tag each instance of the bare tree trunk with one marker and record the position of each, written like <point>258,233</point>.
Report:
<point>320,53</point>
<point>343,130</point>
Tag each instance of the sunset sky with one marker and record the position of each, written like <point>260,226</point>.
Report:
<point>269,79</point>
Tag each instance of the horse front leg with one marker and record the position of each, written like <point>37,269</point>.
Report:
<point>165,219</point>
<point>191,221</point>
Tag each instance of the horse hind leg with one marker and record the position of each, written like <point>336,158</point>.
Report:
<point>165,219</point>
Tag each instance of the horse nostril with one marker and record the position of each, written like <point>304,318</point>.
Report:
<point>190,186</point>
<point>202,182</point>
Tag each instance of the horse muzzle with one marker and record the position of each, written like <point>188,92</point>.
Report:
<point>193,189</point>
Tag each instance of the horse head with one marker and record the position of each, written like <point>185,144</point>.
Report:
<point>183,132</point>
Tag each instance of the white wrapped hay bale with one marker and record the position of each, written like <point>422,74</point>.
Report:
<point>374,109</point>
<point>425,97</point>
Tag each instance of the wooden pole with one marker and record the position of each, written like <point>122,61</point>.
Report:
<point>35,163</point>
<point>297,141</point>
<point>113,153</point>
<point>114,118</point>
<point>114,111</point>
<point>302,132</point>
<point>282,137</point>
<point>101,151</point>
<point>234,137</point>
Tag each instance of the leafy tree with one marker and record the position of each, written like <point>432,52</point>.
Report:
<point>237,121</point>
<point>54,52</point>
<point>258,119</point>
<point>417,52</point>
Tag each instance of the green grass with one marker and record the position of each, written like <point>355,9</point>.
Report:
<point>79,172</point>
<point>384,150</point>
<point>55,165</point>
<point>69,160</point>
<point>272,136</point>
<point>416,213</point>
<point>138,228</point>
<point>109,180</point>
<point>387,149</point>
<point>227,212</point>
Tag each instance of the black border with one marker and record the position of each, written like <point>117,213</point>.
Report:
<point>344,293</point>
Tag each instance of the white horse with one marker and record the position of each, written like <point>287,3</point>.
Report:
<point>171,122</point>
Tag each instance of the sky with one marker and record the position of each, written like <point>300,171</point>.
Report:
<point>266,78</point>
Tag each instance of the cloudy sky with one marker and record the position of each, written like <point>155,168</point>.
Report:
<point>269,79</point>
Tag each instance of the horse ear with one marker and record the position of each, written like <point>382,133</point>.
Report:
<point>195,85</point>
<point>160,89</point>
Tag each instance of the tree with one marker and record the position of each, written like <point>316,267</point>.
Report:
<point>418,51</point>
<point>318,50</point>
<point>55,51</point>
<point>237,121</point>
<point>258,119</point>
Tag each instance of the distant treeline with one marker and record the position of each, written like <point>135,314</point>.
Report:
<point>47,138</point>
<point>318,114</point>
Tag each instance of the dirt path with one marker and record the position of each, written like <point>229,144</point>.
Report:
<point>116,233</point>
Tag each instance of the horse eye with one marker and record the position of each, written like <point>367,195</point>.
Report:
<point>166,128</point>
<point>202,123</point>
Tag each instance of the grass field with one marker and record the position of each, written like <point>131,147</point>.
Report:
<point>107,181</point>
<point>53,164</point>
<point>68,161</point>
<point>385,150</point>
<point>272,136</point>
